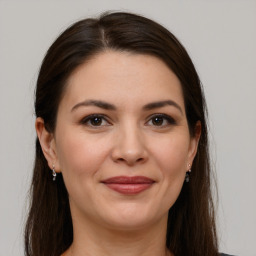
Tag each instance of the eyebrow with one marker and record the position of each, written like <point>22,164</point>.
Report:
<point>97,103</point>
<point>108,106</point>
<point>160,104</point>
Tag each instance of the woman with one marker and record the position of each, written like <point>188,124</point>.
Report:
<point>122,165</point>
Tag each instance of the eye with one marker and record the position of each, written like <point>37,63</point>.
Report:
<point>95,121</point>
<point>161,120</point>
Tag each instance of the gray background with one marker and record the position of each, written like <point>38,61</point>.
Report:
<point>219,35</point>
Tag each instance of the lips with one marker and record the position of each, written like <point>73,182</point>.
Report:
<point>129,185</point>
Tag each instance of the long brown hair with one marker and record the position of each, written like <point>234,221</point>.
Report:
<point>191,223</point>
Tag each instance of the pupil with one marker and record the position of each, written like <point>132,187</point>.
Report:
<point>96,121</point>
<point>158,121</point>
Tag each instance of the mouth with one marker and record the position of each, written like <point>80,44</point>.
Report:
<point>128,185</point>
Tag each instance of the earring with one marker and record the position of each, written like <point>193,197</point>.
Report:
<point>188,173</point>
<point>187,177</point>
<point>54,174</point>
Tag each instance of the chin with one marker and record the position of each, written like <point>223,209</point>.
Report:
<point>132,218</point>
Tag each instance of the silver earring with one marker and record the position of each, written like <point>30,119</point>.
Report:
<point>54,174</point>
<point>188,173</point>
<point>187,177</point>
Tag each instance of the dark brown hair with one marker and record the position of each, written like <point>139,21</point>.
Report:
<point>191,224</point>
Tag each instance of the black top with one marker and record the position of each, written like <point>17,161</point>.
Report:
<point>223,254</point>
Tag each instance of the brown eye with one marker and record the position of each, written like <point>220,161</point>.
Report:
<point>95,121</point>
<point>158,120</point>
<point>161,120</point>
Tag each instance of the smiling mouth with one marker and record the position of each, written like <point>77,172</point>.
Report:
<point>128,185</point>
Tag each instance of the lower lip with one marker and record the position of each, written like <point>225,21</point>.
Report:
<point>129,189</point>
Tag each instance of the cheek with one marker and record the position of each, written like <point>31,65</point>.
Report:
<point>171,155</point>
<point>80,155</point>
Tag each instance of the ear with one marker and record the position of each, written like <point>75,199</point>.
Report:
<point>194,144</point>
<point>47,143</point>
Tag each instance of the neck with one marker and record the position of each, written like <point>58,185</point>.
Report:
<point>91,240</point>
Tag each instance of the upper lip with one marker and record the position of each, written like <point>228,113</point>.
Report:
<point>128,180</point>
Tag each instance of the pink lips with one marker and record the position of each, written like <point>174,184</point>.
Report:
<point>129,185</point>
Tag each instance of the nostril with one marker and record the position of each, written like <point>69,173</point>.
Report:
<point>129,153</point>
<point>130,161</point>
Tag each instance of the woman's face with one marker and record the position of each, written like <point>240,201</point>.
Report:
<point>122,140</point>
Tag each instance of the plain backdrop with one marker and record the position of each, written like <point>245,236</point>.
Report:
<point>220,36</point>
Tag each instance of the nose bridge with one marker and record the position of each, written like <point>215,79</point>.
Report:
<point>129,146</point>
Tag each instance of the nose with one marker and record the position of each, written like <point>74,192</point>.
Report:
<point>129,147</point>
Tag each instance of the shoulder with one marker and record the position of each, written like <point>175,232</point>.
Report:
<point>223,254</point>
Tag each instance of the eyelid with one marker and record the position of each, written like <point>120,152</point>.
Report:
<point>89,117</point>
<point>85,120</point>
<point>170,119</point>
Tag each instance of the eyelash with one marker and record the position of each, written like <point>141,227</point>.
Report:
<point>169,119</point>
<point>86,120</point>
<point>89,118</point>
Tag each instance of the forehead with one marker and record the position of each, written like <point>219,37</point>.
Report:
<point>123,77</point>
